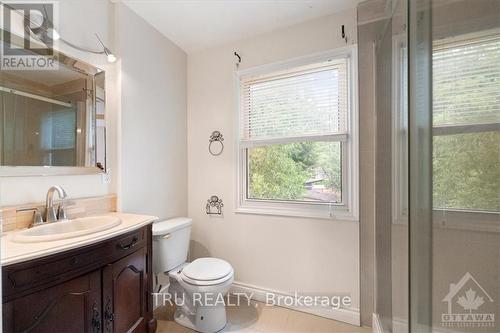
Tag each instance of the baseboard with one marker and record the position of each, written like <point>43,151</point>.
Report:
<point>350,316</point>
<point>400,325</point>
<point>376,324</point>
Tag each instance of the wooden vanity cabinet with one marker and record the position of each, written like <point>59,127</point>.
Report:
<point>61,308</point>
<point>124,294</point>
<point>104,287</point>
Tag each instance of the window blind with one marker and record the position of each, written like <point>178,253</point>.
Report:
<point>466,81</point>
<point>58,130</point>
<point>302,103</point>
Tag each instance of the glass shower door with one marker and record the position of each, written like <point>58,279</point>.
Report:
<point>466,165</point>
<point>436,87</point>
<point>454,165</point>
<point>420,165</point>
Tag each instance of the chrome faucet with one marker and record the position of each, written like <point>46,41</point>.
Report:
<point>50,211</point>
<point>37,216</point>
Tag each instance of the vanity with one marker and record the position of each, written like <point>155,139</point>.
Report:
<point>100,282</point>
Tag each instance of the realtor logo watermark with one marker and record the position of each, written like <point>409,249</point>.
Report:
<point>468,304</point>
<point>28,35</point>
<point>294,300</point>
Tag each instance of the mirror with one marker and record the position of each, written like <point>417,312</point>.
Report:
<point>53,121</point>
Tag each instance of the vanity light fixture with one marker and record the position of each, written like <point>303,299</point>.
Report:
<point>111,57</point>
<point>40,26</point>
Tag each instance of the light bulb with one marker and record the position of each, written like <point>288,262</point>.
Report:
<point>53,34</point>
<point>111,57</point>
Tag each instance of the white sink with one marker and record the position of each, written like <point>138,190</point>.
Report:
<point>66,229</point>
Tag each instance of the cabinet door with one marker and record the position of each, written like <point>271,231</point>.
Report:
<point>72,306</point>
<point>124,294</point>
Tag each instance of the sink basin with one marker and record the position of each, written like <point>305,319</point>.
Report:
<point>66,229</point>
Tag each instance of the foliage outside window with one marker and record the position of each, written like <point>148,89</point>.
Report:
<point>466,123</point>
<point>304,171</point>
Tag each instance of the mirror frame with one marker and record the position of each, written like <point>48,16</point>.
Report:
<point>33,171</point>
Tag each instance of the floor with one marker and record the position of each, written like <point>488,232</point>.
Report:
<point>260,318</point>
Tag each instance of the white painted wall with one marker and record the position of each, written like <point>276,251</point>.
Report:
<point>279,253</point>
<point>153,119</point>
<point>145,110</point>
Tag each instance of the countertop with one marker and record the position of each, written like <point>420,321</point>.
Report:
<point>13,252</point>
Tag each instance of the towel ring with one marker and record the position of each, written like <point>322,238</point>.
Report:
<point>215,145</point>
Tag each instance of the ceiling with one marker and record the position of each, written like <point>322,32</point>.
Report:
<point>198,24</point>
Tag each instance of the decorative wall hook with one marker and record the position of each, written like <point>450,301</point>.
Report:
<point>215,145</point>
<point>344,37</point>
<point>239,59</point>
<point>214,205</point>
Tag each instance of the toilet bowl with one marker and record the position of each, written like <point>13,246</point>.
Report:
<point>203,285</point>
<point>199,287</point>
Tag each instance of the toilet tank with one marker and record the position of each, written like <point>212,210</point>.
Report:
<point>170,243</point>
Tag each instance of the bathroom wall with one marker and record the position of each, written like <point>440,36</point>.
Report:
<point>153,176</point>
<point>145,110</point>
<point>270,252</point>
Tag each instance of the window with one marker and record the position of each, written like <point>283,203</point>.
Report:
<point>297,138</point>
<point>466,123</point>
<point>466,132</point>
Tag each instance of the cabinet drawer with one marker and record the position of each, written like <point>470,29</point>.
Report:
<point>23,278</point>
<point>42,271</point>
<point>128,243</point>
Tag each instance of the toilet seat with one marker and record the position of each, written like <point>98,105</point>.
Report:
<point>207,272</point>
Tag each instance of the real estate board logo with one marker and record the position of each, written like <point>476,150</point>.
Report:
<point>467,304</point>
<point>28,35</point>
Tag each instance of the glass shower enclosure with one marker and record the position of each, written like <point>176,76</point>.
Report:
<point>437,164</point>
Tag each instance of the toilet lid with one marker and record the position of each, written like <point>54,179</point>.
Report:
<point>206,269</point>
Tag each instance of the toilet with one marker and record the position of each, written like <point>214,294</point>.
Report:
<point>200,286</point>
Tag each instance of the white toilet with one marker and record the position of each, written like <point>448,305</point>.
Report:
<point>202,283</point>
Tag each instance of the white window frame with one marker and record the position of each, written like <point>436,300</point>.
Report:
<point>349,209</point>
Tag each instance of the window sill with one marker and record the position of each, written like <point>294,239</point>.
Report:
<point>467,220</point>
<point>298,211</point>
<point>462,220</point>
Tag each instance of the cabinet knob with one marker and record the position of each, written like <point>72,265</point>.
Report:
<point>74,261</point>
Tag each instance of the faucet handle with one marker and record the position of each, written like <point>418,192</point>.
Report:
<point>61,213</point>
<point>37,216</point>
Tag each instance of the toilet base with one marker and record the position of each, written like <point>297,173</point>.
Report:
<point>207,319</point>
